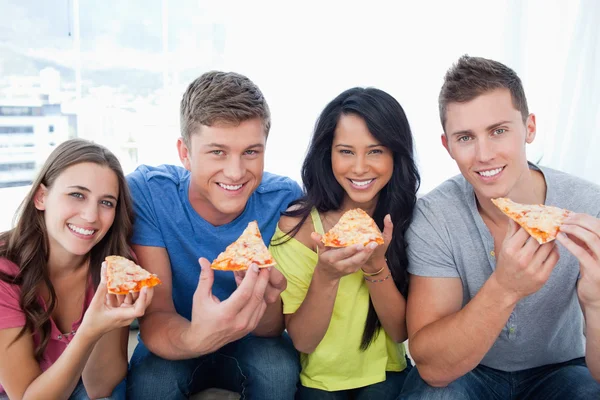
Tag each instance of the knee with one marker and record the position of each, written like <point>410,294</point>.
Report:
<point>151,376</point>
<point>415,388</point>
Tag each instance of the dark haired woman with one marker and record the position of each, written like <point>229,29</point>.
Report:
<point>345,308</point>
<point>61,334</point>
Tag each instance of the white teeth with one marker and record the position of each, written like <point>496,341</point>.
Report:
<point>361,183</point>
<point>230,187</point>
<point>491,172</point>
<point>81,231</point>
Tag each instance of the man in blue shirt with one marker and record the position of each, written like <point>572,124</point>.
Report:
<point>201,329</point>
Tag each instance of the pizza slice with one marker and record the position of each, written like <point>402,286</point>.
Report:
<point>124,276</point>
<point>354,227</point>
<point>247,249</point>
<point>540,221</point>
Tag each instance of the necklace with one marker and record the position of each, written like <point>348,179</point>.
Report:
<point>66,335</point>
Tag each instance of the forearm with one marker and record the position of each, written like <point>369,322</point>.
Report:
<point>59,381</point>
<point>308,325</point>
<point>592,346</point>
<point>454,345</point>
<point>166,335</point>
<point>271,324</point>
<point>107,365</point>
<point>389,305</point>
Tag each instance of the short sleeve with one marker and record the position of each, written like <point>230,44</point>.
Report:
<point>146,231</point>
<point>11,315</point>
<point>429,252</point>
<point>297,263</point>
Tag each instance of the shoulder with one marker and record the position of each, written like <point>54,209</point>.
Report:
<point>450,194</point>
<point>572,192</point>
<point>272,183</point>
<point>8,267</point>
<point>289,223</point>
<point>145,175</point>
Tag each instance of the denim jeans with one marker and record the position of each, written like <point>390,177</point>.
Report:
<point>570,380</point>
<point>386,390</point>
<point>80,394</point>
<point>256,368</point>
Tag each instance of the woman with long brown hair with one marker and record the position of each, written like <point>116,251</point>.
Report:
<point>61,334</point>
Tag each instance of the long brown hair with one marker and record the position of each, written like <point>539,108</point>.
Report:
<point>27,244</point>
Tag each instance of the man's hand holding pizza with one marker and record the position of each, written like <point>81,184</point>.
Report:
<point>215,323</point>
<point>581,236</point>
<point>277,283</point>
<point>523,265</point>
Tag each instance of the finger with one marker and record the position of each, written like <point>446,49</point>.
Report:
<point>549,263</point>
<point>139,307</point>
<point>128,300</point>
<point>257,316</point>
<point>588,238</point>
<point>541,254</point>
<point>241,296</point>
<point>388,228</point>
<point>531,247</point>
<point>101,293</point>
<point>121,298</point>
<point>257,297</point>
<point>239,276</point>
<point>357,260</point>
<point>585,221</point>
<point>134,296</point>
<point>585,258</point>
<point>103,272</point>
<point>343,253</point>
<point>207,277</point>
<point>516,241</point>
<point>277,280</point>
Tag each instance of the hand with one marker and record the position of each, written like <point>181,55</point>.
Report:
<point>109,311</point>
<point>277,283</point>
<point>336,263</point>
<point>524,265</point>
<point>215,323</point>
<point>374,263</point>
<point>580,234</point>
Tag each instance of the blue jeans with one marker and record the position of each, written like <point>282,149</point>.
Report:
<point>80,394</point>
<point>386,390</point>
<point>570,380</point>
<point>256,368</point>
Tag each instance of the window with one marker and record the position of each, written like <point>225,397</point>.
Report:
<point>14,130</point>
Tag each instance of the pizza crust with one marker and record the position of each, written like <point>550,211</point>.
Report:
<point>124,276</point>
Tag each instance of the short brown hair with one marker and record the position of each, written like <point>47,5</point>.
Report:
<point>225,97</point>
<point>470,77</point>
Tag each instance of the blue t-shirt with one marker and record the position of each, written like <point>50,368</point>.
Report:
<point>165,218</point>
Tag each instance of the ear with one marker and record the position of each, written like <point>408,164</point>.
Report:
<point>39,200</point>
<point>184,154</point>
<point>530,129</point>
<point>445,144</point>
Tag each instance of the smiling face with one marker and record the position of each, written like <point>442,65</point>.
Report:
<point>486,137</point>
<point>79,208</point>
<point>226,164</point>
<point>361,165</point>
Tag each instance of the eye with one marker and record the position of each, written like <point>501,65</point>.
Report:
<point>217,152</point>
<point>77,195</point>
<point>251,152</point>
<point>464,138</point>
<point>376,151</point>
<point>499,131</point>
<point>345,152</point>
<point>107,203</point>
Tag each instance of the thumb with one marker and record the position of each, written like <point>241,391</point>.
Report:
<point>317,239</point>
<point>207,277</point>
<point>101,290</point>
<point>388,229</point>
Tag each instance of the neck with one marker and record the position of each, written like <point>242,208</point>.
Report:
<point>207,211</point>
<point>61,265</point>
<point>368,207</point>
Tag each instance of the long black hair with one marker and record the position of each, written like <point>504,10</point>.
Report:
<point>387,122</point>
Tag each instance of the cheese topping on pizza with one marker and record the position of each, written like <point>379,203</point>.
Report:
<point>124,276</point>
<point>540,221</point>
<point>247,249</point>
<point>354,227</point>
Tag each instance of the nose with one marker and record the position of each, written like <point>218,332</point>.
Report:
<point>234,169</point>
<point>89,213</point>
<point>360,166</point>
<point>484,150</point>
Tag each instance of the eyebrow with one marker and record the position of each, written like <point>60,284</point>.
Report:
<point>84,189</point>
<point>489,128</point>
<point>350,147</point>
<point>225,147</point>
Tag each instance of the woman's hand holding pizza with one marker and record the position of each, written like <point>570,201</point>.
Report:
<point>107,312</point>
<point>580,234</point>
<point>336,263</point>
